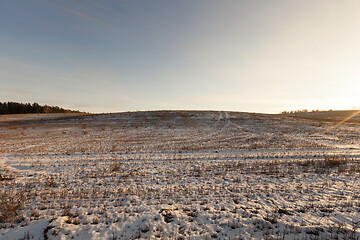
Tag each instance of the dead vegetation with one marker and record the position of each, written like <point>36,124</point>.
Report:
<point>175,176</point>
<point>11,202</point>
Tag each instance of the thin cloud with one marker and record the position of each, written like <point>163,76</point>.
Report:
<point>20,91</point>
<point>83,15</point>
<point>19,64</point>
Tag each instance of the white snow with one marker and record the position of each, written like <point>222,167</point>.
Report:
<point>179,175</point>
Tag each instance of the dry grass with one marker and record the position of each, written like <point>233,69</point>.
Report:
<point>329,116</point>
<point>119,169</point>
<point>11,201</point>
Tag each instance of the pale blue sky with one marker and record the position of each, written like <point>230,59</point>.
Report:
<point>110,56</point>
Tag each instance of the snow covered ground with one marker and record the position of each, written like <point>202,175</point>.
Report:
<point>180,175</point>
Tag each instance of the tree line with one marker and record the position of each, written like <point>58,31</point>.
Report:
<point>305,111</point>
<point>23,108</point>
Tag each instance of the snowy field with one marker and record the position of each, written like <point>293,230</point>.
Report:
<point>180,175</point>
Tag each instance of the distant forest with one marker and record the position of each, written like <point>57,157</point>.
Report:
<point>23,108</point>
<point>305,111</point>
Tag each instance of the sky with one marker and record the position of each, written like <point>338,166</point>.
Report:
<point>130,55</point>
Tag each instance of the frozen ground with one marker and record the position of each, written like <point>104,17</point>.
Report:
<point>180,175</point>
<point>22,117</point>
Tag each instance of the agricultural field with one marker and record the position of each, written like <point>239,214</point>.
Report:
<point>180,175</point>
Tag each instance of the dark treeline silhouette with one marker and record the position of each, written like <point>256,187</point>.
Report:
<point>305,111</point>
<point>22,108</point>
